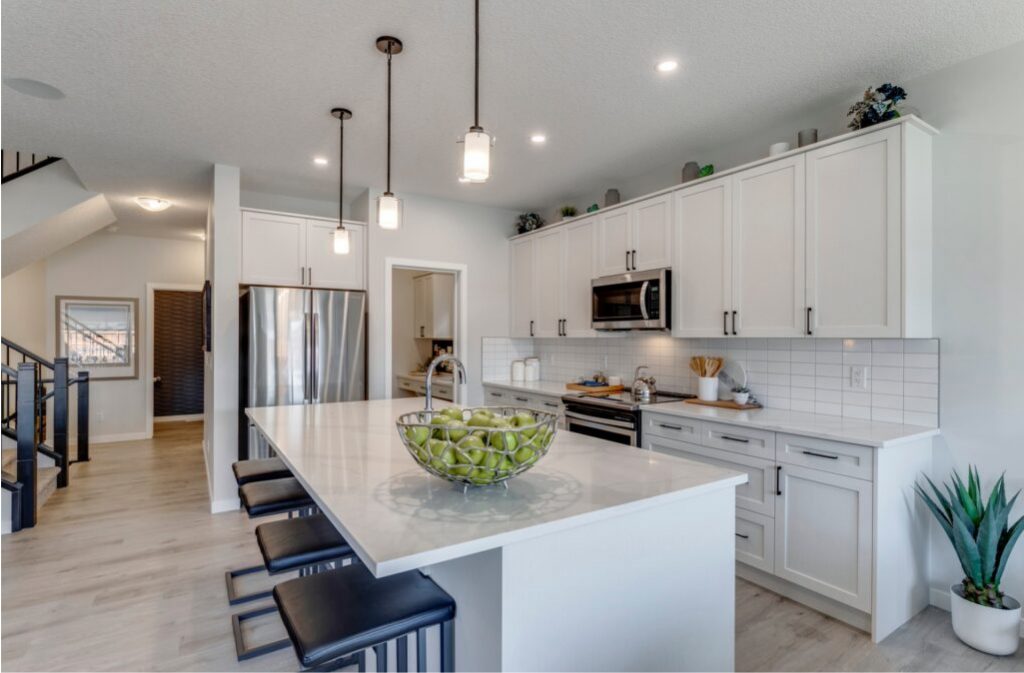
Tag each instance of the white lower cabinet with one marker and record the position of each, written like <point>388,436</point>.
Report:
<point>506,397</point>
<point>823,535</point>
<point>755,540</point>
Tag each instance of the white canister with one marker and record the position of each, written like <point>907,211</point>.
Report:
<point>614,381</point>
<point>778,148</point>
<point>518,370</point>
<point>707,388</point>
<point>533,369</point>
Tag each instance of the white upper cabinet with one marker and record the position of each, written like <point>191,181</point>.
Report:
<point>548,288</point>
<point>854,237</point>
<point>636,237</point>
<point>579,269</point>
<point>521,283</point>
<point>327,270</point>
<point>768,250</point>
<point>702,271</point>
<point>434,294</point>
<point>273,249</point>
<point>296,251</point>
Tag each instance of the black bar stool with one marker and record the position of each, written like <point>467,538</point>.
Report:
<point>265,498</point>
<point>333,617</point>
<point>259,469</point>
<point>303,544</point>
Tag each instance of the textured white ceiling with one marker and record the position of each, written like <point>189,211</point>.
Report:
<point>157,91</point>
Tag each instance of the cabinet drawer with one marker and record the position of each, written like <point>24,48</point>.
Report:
<point>757,495</point>
<point>755,540</point>
<point>671,427</point>
<point>551,405</point>
<point>850,460</point>
<point>520,399</point>
<point>760,443</point>
<point>497,397</point>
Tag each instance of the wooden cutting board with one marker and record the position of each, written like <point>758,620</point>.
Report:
<point>599,390</point>
<point>726,404</point>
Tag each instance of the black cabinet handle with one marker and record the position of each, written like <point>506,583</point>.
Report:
<point>522,399</point>
<point>670,427</point>
<point>627,260</point>
<point>725,323</point>
<point>778,480</point>
<point>809,331</point>
<point>730,438</point>
<point>734,323</point>
<point>551,404</point>
<point>634,260</point>
<point>820,455</point>
<point>741,535</point>
<point>494,394</point>
<point>531,328</point>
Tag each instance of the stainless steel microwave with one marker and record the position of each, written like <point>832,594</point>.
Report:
<point>640,300</point>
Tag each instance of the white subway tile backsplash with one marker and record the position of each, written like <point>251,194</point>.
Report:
<point>808,375</point>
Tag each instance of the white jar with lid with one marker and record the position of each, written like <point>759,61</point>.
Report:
<point>533,369</point>
<point>518,370</point>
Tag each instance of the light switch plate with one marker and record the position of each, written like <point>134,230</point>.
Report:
<point>859,377</point>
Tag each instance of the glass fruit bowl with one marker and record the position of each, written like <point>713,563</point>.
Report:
<point>478,446</point>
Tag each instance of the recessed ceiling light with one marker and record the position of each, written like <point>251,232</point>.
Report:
<point>152,203</point>
<point>34,88</point>
<point>320,161</point>
<point>538,139</point>
<point>668,66</point>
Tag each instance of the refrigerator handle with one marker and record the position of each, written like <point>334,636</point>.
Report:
<point>306,359</point>
<point>314,393</point>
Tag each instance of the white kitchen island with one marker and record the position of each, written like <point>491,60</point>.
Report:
<point>602,557</point>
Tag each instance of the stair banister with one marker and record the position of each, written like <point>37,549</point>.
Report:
<point>60,418</point>
<point>26,440</point>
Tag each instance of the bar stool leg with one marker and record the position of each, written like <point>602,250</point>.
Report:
<point>234,598</point>
<point>448,646</point>
<point>421,650</point>
<point>381,655</point>
<point>402,653</point>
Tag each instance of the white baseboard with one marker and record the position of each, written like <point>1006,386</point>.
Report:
<point>942,600</point>
<point>183,418</point>
<point>121,437</point>
<point>225,505</point>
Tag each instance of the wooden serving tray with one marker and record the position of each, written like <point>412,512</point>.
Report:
<point>599,390</point>
<point>725,404</point>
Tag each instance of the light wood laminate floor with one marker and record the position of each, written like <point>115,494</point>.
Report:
<point>124,571</point>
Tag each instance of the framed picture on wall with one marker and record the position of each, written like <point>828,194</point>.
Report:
<point>100,335</point>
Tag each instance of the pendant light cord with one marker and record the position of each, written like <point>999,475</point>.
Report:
<point>341,171</point>
<point>388,190</point>
<point>476,67</point>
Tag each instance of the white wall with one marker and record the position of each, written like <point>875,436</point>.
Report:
<point>24,308</point>
<point>292,204</point>
<point>107,265</point>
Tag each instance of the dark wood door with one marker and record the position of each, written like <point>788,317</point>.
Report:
<point>177,353</point>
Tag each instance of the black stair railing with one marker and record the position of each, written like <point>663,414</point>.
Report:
<point>23,489</point>
<point>16,164</point>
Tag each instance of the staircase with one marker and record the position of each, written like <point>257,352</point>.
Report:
<point>32,468</point>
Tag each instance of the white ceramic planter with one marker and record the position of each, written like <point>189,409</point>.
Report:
<point>987,629</point>
<point>741,398</point>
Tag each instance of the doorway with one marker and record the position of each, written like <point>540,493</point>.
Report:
<point>176,363</point>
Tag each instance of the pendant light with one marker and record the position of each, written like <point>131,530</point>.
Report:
<point>389,208</point>
<point>476,144</point>
<point>342,245</point>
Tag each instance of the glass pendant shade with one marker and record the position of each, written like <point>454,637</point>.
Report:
<point>342,245</point>
<point>476,156</point>
<point>389,211</point>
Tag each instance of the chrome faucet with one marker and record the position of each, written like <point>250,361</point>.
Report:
<point>455,379</point>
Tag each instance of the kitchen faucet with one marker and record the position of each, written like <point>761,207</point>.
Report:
<point>455,379</point>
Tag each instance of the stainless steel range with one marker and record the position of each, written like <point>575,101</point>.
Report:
<point>615,417</point>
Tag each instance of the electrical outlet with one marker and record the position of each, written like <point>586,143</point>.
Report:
<point>859,377</point>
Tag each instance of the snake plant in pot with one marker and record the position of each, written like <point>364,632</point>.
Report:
<point>979,529</point>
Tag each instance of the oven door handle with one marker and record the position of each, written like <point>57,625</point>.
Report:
<point>630,434</point>
<point>643,299</point>
<point>603,421</point>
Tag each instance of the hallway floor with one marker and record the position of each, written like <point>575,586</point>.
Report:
<point>124,571</point>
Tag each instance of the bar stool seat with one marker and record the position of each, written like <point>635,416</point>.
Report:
<point>259,469</point>
<point>339,613</point>
<point>296,543</point>
<point>274,496</point>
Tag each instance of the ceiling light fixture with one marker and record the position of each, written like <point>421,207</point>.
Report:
<point>320,161</point>
<point>342,244</point>
<point>538,139</point>
<point>152,203</point>
<point>476,144</point>
<point>389,209</point>
<point>668,66</point>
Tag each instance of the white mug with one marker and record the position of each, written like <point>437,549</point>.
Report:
<point>778,148</point>
<point>615,381</point>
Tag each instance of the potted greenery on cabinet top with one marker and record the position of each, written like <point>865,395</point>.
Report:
<point>978,527</point>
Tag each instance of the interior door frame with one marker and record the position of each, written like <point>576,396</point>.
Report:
<point>461,272</point>
<point>151,290</point>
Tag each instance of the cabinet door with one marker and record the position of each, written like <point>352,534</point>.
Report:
<point>328,270</point>
<point>768,250</point>
<point>702,272</point>
<point>755,540</point>
<point>652,233</point>
<point>422,310</point>
<point>521,289</point>
<point>580,269</point>
<point>548,271</point>
<point>442,305</point>
<point>853,237</point>
<point>823,534</point>
<point>613,242</point>
<point>273,249</point>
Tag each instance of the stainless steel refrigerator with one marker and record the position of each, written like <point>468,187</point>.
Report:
<point>298,346</point>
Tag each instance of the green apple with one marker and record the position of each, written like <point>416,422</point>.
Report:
<point>504,441</point>
<point>437,446</point>
<point>456,430</point>
<point>461,470</point>
<point>470,450</point>
<point>482,476</point>
<point>417,434</point>
<point>479,420</point>
<point>523,419</point>
<point>500,422</point>
<point>442,422</point>
<point>525,455</point>
<point>422,454</point>
<point>484,412</point>
<point>454,413</point>
<point>490,460</point>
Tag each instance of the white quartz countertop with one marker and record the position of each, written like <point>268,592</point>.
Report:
<point>398,517</point>
<point>838,428</point>
<point>552,388</point>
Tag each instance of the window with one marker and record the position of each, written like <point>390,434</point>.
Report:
<point>99,335</point>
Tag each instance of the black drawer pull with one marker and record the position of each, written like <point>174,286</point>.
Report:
<point>551,404</point>
<point>522,399</point>
<point>741,535</point>
<point>820,455</point>
<point>730,438</point>
<point>497,394</point>
<point>778,480</point>
<point>670,427</point>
